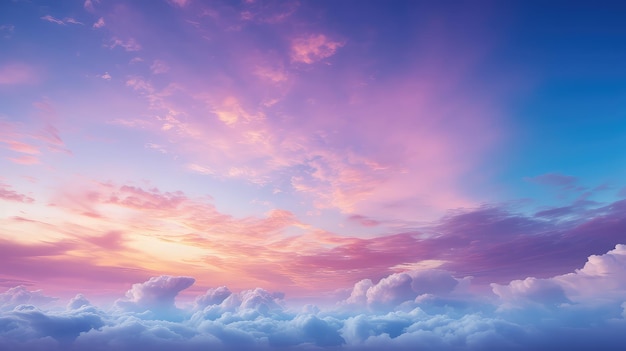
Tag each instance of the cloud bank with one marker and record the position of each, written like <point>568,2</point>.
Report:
<point>413,310</point>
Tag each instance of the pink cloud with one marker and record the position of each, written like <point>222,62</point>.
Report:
<point>88,5</point>
<point>272,74</point>
<point>313,48</point>
<point>287,121</point>
<point>230,111</point>
<point>128,45</point>
<point>56,266</point>
<point>153,199</point>
<point>8,194</point>
<point>27,139</point>
<point>364,221</point>
<point>179,3</point>
<point>336,138</point>
<point>139,84</point>
<point>23,147</point>
<point>99,23</point>
<point>25,160</point>
<point>111,241</point>
<point>49,133</point>
<point>200,169</point>
<point>159,67</point>
<point>18,74</point>
<point>258,250</point>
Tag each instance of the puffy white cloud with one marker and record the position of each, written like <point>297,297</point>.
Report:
<point>28,328</point>
<point>261,300</point>
<point>247,304</point>
<point>397,288</point>
<point>602,280</point>
<point>391,290</point>
<point>20,295</point>
<point>578,311</point>
<point>77,302</point>
<point>136,334</point>
<point>417,330</point>
<point>529,292</point>
<point>359,292</point>
<point>156,295</point>
<point>212,297</point>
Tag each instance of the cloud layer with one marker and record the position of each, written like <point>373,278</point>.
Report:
<point>427,309</point>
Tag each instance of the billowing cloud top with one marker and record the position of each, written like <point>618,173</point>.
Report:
<point>430,309</point>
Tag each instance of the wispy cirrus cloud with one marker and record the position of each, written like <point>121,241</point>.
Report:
<point>25,160</point>
<point>52,19</point>
<point>280,119</point>
<point>128,45</point>
<point>72,21</point>
<point>23,148</point>
<point>61,22</point>
<point>8,194</point>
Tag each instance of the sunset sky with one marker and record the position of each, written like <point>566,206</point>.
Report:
<point>296,149</point>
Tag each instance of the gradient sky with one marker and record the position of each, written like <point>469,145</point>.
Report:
<point>306,146</point>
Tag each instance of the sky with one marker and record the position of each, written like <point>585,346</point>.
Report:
<point>312,175</point>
